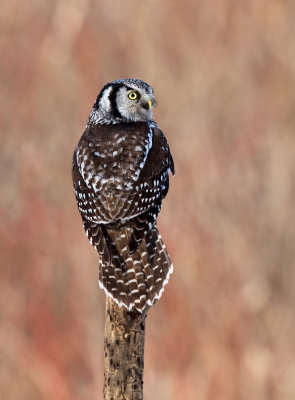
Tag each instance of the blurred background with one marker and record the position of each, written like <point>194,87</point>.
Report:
<point>224,79</point>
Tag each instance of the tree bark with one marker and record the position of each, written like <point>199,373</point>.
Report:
<point>123,353</point>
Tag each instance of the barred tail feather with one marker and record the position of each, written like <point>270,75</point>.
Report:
<point>135,280</point>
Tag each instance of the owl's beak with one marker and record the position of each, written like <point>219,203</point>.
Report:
<point>147,105</point>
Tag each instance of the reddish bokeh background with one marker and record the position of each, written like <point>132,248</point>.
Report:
<point>224,78</point>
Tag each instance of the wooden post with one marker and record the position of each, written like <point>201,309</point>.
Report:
<point>123,353</point>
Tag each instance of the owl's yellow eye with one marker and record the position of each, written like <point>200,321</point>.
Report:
<point>133,96</point>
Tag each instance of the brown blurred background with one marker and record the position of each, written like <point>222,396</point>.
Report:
<point>224,78</point>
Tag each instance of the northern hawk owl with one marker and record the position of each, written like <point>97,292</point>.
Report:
<point>121,175</point>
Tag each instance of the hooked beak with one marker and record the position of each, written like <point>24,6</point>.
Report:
<point>148,105</point>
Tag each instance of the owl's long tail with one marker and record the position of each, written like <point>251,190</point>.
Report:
<point>135,280</point>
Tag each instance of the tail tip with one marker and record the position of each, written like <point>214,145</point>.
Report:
<point>142,306</point>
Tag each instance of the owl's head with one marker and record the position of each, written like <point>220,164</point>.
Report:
<point>124,100</point>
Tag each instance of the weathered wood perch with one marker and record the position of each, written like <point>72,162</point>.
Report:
<point>123,353</point>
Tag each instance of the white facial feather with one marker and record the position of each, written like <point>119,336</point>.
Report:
<point>133,110</point>
<point>105,104</point>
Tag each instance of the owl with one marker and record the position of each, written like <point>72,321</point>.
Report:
<point>121,175</point>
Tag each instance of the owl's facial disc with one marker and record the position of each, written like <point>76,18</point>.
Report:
<point>123,100</point>
<point>135,104</point>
